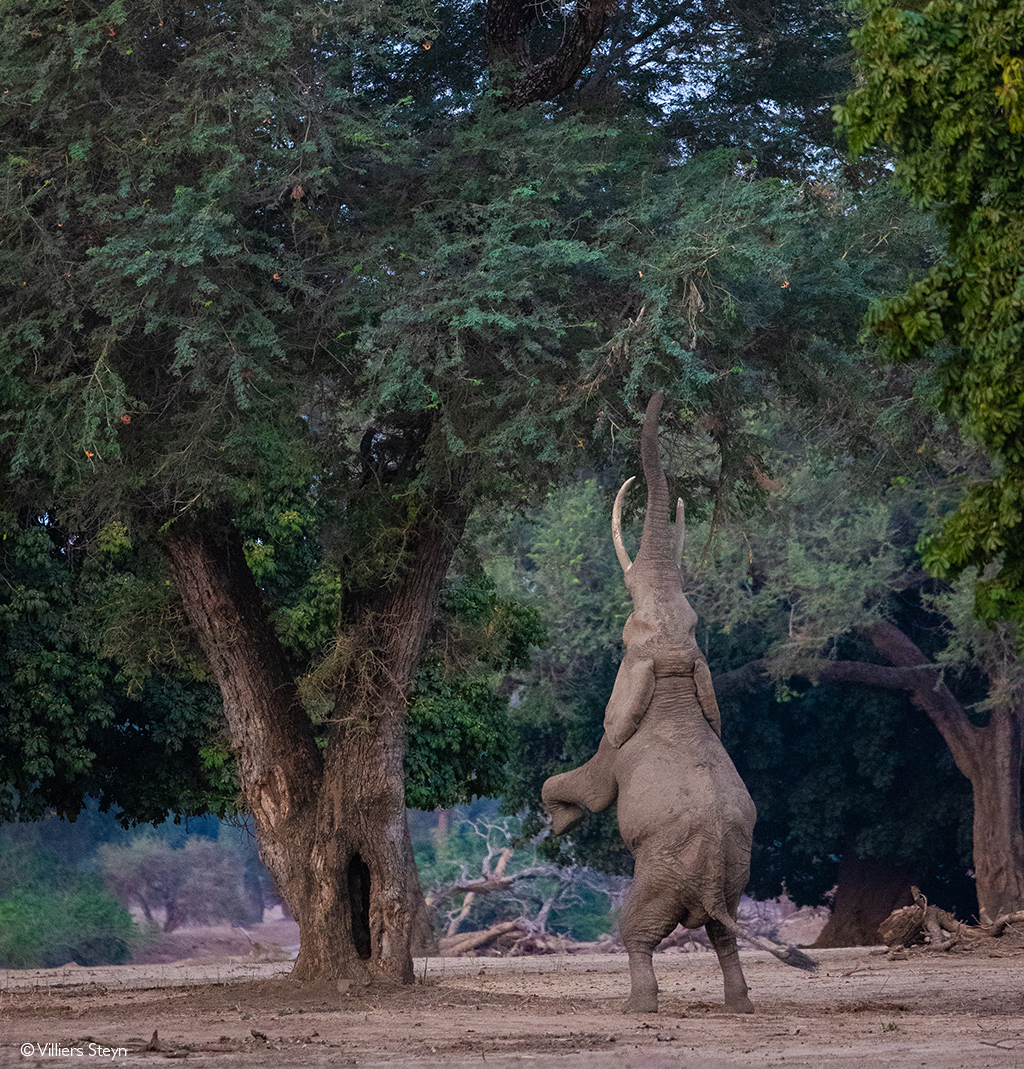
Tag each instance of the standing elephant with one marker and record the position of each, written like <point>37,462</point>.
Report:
<point>683,809</point>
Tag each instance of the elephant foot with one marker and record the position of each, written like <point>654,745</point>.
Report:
<point>565,816</point>
<point>641,1004</point>
<point>739,1005</point>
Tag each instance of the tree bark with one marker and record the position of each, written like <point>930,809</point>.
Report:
<point>279,765</point>
<point>331,828</point>
<point>867,891</point>
<point>998,842</point>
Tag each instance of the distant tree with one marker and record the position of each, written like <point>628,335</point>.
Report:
<point>838,565</point>
<point>52,912</point>
<point>198,882</point>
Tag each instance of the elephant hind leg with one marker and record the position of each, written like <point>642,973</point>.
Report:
<point>648,915</point>
<point>569,796</point>
<point>724,942</point>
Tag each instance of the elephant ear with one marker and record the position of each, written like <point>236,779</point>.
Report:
<point>632,693</point>
<point>706,695</point>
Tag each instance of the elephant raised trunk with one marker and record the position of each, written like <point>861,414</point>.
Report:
<point>661,546</point>
<point>682,807</point>
<point>660,631</point>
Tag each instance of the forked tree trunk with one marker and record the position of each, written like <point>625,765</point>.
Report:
<point>867,891</point>
<point>331,828</point>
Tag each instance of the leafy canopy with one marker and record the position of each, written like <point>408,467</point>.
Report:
<point>942,85</point>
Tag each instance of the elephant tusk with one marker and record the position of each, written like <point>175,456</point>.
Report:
<point>620,546</point>
<point>679,533</point>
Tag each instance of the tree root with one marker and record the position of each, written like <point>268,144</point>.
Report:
<point>925,927</point>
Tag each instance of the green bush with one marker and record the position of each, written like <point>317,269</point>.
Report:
<point>42,930</point>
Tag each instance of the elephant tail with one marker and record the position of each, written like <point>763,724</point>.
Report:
<point>789,955</point>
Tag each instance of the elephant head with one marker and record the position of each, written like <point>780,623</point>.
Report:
<point>659,634</point>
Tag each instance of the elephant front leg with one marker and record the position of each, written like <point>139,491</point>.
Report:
<point>564,815</point>
<point>569,796</point>
<point>724,942</point>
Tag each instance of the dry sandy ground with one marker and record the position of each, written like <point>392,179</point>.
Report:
<point>956,1010</point>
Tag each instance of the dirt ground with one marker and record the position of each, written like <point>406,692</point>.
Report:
<point>962,1009</point>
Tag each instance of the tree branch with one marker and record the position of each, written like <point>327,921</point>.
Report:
<point>909,670</point>
<point>507,33</point>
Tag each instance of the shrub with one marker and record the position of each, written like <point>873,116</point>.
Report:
<point>42,930</point>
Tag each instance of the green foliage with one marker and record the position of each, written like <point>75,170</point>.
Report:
<point>458,738</point>
<point>71,724</point>
<point>460,731</point>
<point>940,85</point>
<point>42,930</point>
<point>152,161</point>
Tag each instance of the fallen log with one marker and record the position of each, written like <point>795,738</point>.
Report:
<point>459,945</point>
<point>920,925</point>
<point>929,928</point>
<point>508,939</point>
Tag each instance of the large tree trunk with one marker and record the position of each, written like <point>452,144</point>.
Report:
<point>994,762</point>
<point>331,829</point>
<point>365,898</point>
<point>867,891</point>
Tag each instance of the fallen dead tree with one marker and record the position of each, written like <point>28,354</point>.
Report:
<point>507,939</point>
<point>924,926</point>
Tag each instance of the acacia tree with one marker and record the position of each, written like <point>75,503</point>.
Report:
<point>244,293</point>
<point>290,266</point>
